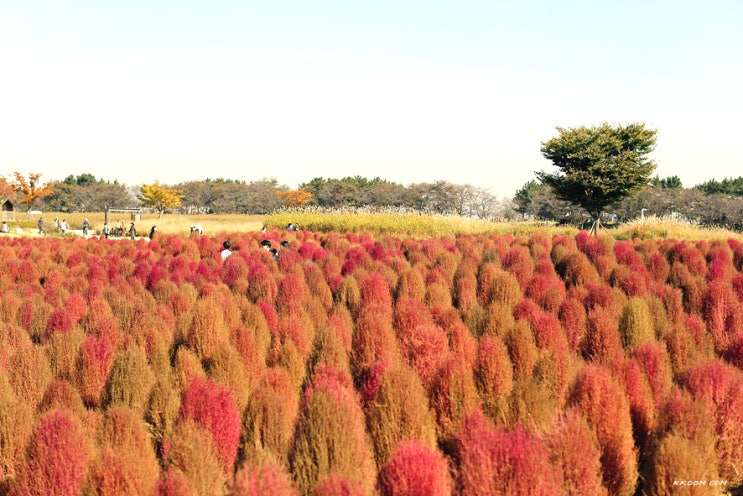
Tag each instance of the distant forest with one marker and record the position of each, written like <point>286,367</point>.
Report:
<point>712,203</point>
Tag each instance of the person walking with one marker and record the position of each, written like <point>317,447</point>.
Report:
<point>41,225</point>
<point>63,226</point>
<point>152,232</point>
<point>86,225</point>
<point>132,231</point>
<point>106,230</point>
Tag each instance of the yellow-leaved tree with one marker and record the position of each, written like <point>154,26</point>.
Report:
<point>295,198</point>
<point>160,197</point>
<point>31,188</point>
<point>7,189</point>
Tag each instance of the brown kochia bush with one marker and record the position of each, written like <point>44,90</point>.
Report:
<point>493,374</point>
<point>270,416</point>
<point>674,455</point>
<point>576,270</point>
<point>16,424</point>
<point>497,285</point>
<point>208,328</point>
<point>130,380</point>
<point>226,367</point>
<point>411,285</point>
<point>453,396</point>
<point>126,463</point>
<point>522,349</point>
<point>191,453</point>
<point>684,444</point>
<point>162,411</point>
<point>603,403</point>
<point>399,411</point>
<point>330,435</point>
<point>28,371</point>
<point>636,323</point>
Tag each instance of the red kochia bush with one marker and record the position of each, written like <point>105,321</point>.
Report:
<point>212,406</point>
<point>414,469</point>
<point>58,457</point>
<point>721,310</point>
<point>495,462</point>
<point>602,401</point>
<point>573,318</point>
<point>173,483</point>
<point>94,361</point>
<point>720,387</point>
<point>575,451</point>
<point>425,349</point>
<point>653,359</point>
<point>518,262</point>
<point>375,293</point>
<point>267,478</point>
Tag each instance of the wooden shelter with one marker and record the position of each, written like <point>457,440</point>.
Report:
<point>7,209</point>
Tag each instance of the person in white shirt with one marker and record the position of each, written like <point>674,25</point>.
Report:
<point>226,252</point>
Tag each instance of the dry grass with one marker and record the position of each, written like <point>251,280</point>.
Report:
<point>166,224</point>
<point>403,224</point>
<point>668,228</point>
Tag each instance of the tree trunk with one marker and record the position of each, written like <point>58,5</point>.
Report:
<point>596,225</point>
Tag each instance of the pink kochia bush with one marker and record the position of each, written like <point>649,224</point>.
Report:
<point>58,457</point>
<point>369,365</point>
<point>415,469</point>
<point>212,406</point>
<point>494,461</point>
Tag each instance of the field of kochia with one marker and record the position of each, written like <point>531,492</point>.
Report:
<point>371,365</point>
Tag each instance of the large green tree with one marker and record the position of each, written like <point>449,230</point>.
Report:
<point>600,165</point>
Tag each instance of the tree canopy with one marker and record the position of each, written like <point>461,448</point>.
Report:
<point>160,197</point>
<point>728,186</point>
<point>599,166</point>
<point>31,188</point>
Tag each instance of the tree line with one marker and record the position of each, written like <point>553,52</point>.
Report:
<point>710,204</point>
<point>603,175</point>
<point>86,193</point>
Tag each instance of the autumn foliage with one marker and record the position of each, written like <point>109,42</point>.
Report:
<point>363,365</point>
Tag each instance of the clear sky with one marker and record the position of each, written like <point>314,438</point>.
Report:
<point>409,91</point>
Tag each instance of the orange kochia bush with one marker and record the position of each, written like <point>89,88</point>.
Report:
<point>361,365</point>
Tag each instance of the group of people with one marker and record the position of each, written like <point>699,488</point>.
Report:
<point>62,225</point>
<point>265,244</point>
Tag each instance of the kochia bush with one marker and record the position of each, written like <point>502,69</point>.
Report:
<point>212,406</point>
<point>58,457</point>
<point>415,469</point>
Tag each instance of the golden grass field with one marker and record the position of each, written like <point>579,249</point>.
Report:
<point>376,224</point>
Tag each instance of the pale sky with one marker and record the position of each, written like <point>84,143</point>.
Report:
<point>409,91</point>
